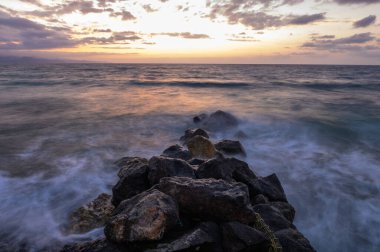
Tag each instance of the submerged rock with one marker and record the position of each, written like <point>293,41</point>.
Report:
<point>219,120</point>
<point>177,151</point>
<point>91,215</point>
<point>127,163</point>
<point>210,199</point>
<point>144,217</point>
<point>201,147</point>
<point>190,133</point>
<point>240,237</point>
<point>160,167</point>
<point>293,241</point>
<point>199,118</point>
<point>230,147</point>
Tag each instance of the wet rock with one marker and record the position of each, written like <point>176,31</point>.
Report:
<point>240,237</point>
<point>269,186</point>
<point>99,245</point>
<point>259,199</point>
<point>144,217</point>
<point>126,163</point>
<point>273,217</point>
<point>228,169</point>
<point>199,118</point>
<point>210,199</point>
<point>205,237</point>
<point>134,180</point>
<point>286,209</point>
<point>196,161</point>
<point>190,133</point>
<point>219,120</point>
<point>201,147</point>
<point>293,241</point>
<point>160,167</point>
<point>177,151</point>
<point>230,147</point>
<point>91,215</point>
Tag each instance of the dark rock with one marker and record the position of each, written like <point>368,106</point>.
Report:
<point>240,237</point>
<point>190,133</point>
<point>205,238</point>
<point>126,163</point>
<point>134,180</point>
<point>177,151</point>
<point>160,167</point>
<point>230,147</point>
<point>199,118</point>
<point>259,199</point>
<point>269,186</point>
<point>201,147</point>
<point>293,241</point>
<point>91,215</point>
<point>145,217</point>
<point>273,217</point>
<point>99,245</point>
<point>196,161</point>
<point>219,120</point>
<point>210,199</point>
<point>286,209</point>
<point>228,169</point>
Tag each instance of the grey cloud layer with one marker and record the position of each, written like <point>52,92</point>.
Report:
<point>367,21</point>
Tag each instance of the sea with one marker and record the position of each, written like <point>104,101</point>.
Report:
<point>63,125</point>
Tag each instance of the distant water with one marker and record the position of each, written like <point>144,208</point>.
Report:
<point>62,126</point>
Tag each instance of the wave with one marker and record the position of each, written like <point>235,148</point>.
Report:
<point>192,84</point>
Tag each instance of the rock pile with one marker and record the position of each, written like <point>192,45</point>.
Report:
<point>193,200</point>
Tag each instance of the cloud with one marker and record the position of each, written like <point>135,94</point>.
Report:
<point>186,35</point>
<point>367,21</point>
<point>307,19</point>
<point>357,1</point>
<point>125,15</point>
<point>102,30</point>
<point>105,3</point>
<point>148,8</point>
<point>116,38</point>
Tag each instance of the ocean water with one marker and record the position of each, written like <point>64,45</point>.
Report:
<point>63,125</point>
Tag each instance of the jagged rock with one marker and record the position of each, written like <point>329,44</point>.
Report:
<point>144,217</point>
<point>210,199</point>
<point>201,147</point>
<point>259,199</point>
<point>273,217</point>
<point>293,241</point>
<point>134,180</point>
<point>205,238</point>
<point>190,133</point>
<point>230,147</point>
<point>91,215</point>
<point>160,167</point>
<point>269,186</point>
<point>177,151</point>
<point>126,163</point>
<point>99,245</point>
<point>196,161</point>
<point>240,237</point>
<point>219,120</point>
<point>286,209</point>
<point>228,169</point>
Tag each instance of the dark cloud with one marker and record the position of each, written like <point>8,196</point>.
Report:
<point>105,3</point>
<point>125,15</point>
<point>186,35</point>
<point>102,30</point>
<point>149,8</point>
<point>357,1</point>
<point>116,38</point>
<point>307,19</point>
<point>367,21</point>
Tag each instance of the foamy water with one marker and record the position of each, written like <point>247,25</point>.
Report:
<point>62,126</point>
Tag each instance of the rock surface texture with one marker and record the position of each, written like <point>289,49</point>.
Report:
<point>192,200</point>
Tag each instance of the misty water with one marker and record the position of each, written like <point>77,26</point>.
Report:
<point>63,125</point>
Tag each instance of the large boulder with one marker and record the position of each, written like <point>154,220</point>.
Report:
<point>293,241</point>
<point>240,237</point>
<point>91,215</point>
<point>286,209</point>
<point>177,151</point>
<point>230,147</point>
<point>210,199</point>
<point>144,217</point>
<point>269,186</point>
<point>160,167</point>
<point>134,180</point>
<point>219,120</point>
<point>273,217</point>
<point>190,133</point>
<point>201,147</point>
<point>205,237</point>
<point>126,163</point>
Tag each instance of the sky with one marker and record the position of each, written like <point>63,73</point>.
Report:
<point>196,31</point>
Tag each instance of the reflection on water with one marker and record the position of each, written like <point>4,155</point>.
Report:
<point>62,126</point>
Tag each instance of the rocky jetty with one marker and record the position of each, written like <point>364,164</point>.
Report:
<point>194,197</point>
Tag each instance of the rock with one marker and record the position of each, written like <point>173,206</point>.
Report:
<point>177,151</point>
<point>160,167</point>
<point>134,180</point>
<point>293,241</point>
<point>286,209</point>
<point>219,120</point>
<point>273,217</point>
<point>144,217</point>
<point>240,237</point>
<point>200,118</point>
<point>91,215</point>
<point>99,245</point>
<point>126,163</point>
<point>210,199</point>
<point>190,133</point>
<point>196,161</point>
<point>205,237</point>
<point>230,147</point>
<point>269,186</point>
<point>259,199</point>
<point>228,169</point>
<point>201,147</point>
